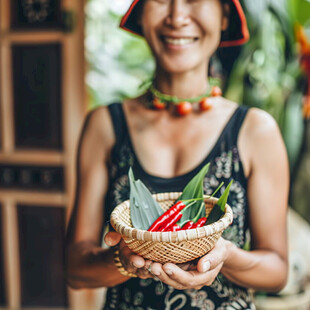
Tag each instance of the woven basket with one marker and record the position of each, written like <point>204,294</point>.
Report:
<point>175,247</point>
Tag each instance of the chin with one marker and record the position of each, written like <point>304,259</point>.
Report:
<point>179,66</point>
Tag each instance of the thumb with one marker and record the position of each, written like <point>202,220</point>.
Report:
<point>112,238</point>
<point>204,264</point>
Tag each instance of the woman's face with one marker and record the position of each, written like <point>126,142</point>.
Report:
<point>183,34</point>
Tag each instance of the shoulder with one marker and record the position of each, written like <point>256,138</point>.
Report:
<point>259,124</point>
<point>260,139</point>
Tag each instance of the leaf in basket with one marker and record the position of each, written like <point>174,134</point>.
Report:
<point>219,208</point>
<point>194,189</point>
<point>144,209</point>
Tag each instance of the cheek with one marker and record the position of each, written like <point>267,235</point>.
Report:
<point>149,34</point>
<point>210,17</point>
<point>151,16</point>
<point>150,23</point>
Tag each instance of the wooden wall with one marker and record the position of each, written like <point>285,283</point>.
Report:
<point>42,106</point>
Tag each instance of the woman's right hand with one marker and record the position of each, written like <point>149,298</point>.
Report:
<point>132,263</point>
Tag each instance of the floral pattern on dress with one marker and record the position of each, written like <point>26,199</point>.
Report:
<point>221,171</point>
<point>199,299</point>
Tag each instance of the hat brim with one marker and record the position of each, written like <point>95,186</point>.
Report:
<point>237,32</point>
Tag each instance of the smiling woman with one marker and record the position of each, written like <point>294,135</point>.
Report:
<point>165,149</point>
<point>184,39</point>
<point>236,33</point>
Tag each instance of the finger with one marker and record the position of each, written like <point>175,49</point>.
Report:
<point>137,261</point>
<point>158,271</point>
<point>177,278</point>
<point>148,266</point>
<point>187,279</point>
<point>112,238</point>
<point>131,261</point>
<point>213,258</point>
<point>144,272</point>
<point>209,262</point>
<point>213,274</point>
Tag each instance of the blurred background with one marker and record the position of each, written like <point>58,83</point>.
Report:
<point>61,58</point>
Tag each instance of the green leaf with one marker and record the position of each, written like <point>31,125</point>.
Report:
<point>136,218</point>
<point>201,213</point>
<point>219,208</point>
<point>149,204</point>
<point>194,189</point>
<point>218,188</point>
<point>144,209</point>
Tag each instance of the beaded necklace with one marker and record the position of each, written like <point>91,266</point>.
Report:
<point>184,106</point>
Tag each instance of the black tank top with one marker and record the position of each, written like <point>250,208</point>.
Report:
<point>225,164</point>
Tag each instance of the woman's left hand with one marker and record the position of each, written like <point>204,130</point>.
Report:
<point>188,276</point>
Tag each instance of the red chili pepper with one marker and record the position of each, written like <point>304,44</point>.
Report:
<point>165,217</point>
<point>171,221</point>
<point>188,225</point>
<point>200,222</point>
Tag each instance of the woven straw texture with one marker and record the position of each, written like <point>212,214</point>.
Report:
<point>175,247</point>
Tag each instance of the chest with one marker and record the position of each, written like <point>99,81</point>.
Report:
<point>168,150</point>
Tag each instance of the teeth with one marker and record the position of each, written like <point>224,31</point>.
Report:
<point>180,41</point>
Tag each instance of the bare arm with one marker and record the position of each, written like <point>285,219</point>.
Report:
<point>265,267</point>
<point>88,264</point>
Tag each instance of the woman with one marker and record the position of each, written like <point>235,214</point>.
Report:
<point>166,149</point>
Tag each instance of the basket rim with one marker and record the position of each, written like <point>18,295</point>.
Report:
<point>169,236</point>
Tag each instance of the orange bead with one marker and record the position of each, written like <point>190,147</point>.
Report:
<point>216,91</point>
<point>306,107</point>
<point>184,108</point>
<point>158,104</point>
<point>205,104</point>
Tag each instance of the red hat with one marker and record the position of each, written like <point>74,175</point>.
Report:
<point>237,32</point>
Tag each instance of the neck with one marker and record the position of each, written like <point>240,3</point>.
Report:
<point>182,85</point>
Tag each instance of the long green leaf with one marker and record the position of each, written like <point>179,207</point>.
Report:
<point>219,208</point>
<point>144,209</point>
<point>136,218</point>
<point>194,189</point>
<point>150,206</point>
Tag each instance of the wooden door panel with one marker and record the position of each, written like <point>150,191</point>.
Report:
<point>37,96</point>
<point>42,107</point>
<point>41,246</point>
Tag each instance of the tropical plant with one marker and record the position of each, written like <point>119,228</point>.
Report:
<point>270,71</point>
<point>117,62</point>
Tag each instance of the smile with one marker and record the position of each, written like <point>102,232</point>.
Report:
<point>179,41</point>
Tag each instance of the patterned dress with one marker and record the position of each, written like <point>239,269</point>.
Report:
<point>225,164</point>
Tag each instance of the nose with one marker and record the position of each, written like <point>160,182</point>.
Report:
<point>178,14</point>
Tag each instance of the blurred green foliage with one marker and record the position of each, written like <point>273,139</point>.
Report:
<point>117,62</point>
<point>269,69</point>
<point>299,11</point>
